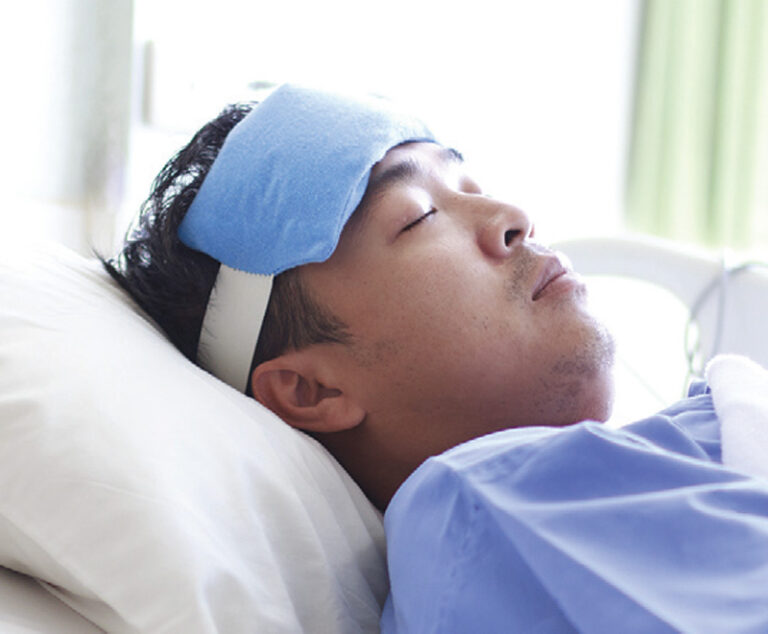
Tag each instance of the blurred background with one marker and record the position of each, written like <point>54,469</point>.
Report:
<point>599,117</point>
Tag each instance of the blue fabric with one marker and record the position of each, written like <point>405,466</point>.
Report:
<point>695,416</point>
<point>581,529</point>
<point>289,176</point>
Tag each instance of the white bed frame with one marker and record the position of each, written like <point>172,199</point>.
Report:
<point>728,297</point>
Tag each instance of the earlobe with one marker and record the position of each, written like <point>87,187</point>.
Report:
<point>289,386</point>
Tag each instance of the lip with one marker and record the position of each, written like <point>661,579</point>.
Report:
<point>552,270</point>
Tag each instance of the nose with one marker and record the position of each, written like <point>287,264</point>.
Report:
<point>501,227</point>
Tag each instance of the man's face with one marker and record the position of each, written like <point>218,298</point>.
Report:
<point>461,324</point>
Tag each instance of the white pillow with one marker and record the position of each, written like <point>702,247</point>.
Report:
<point>149,495</point>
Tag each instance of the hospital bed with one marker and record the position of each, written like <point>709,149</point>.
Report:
<point>137,493</point>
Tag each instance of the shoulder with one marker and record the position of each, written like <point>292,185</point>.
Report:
<point>587,460</point>
<point>690,426</point>
<point>526,508</point>
<point>443,545</point>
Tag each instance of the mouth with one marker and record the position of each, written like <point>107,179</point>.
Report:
<point>552,270</point>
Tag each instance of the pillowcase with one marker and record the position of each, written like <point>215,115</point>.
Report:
<point>150,496</point>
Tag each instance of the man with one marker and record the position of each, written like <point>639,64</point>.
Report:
<point>443,323</point>
<point>406,313</point>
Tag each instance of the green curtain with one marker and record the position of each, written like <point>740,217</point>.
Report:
<point>698,164</point>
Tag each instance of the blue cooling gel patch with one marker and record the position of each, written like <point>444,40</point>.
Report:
<point>289,176</point>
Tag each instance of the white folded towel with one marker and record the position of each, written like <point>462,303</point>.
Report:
<point>740,394</point>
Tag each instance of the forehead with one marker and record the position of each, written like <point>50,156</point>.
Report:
<point>408,161</point>
<point>403,164</point>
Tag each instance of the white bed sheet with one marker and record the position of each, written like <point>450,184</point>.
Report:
<point>25,607</point>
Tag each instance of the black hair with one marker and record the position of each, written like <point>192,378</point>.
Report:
<point>173,282</point>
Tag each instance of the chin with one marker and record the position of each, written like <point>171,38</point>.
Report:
<point>600,405</point>
<point>599,391</point>
<point>582,383</point>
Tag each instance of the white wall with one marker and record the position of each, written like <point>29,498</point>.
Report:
<point>64,117</point>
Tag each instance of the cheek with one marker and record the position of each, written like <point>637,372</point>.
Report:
<point>441,339</point>
<point>456,306</point>
<point>413,292</point>
<point>435,309</point>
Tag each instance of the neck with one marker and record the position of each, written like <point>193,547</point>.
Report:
<point>372,464</point>
<point>380,453</point>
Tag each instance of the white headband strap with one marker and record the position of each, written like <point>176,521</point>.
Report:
<point>232,324</point>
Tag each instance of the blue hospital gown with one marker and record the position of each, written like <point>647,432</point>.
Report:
<point>583,529</point>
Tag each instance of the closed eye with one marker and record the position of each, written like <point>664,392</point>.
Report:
<point>411,225</point>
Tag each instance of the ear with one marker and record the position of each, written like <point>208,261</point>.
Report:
<point>294,386</point>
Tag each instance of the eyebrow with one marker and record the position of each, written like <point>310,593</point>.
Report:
<point>405,171</point>
<point>401,172</point>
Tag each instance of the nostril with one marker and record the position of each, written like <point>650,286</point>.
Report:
<point>510,235</point>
